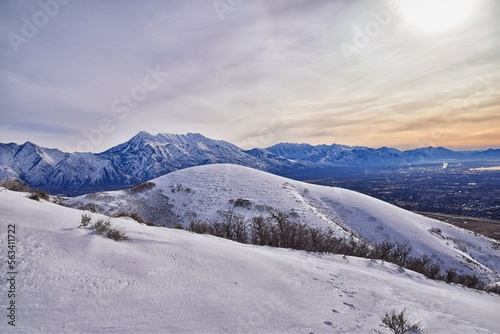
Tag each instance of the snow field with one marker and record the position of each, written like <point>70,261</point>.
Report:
<point>171,281</point>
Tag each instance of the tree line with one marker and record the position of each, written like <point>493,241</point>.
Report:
<point>280,229</point>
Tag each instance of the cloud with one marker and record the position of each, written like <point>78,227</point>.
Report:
<point>267,72</point>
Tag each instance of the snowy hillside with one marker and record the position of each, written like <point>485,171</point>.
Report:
<point>54,170</point>
<point>70,280</point>
<point>198,193</point>
<point>143,157</point>
<point>28,161</point>
<point>146,156</point>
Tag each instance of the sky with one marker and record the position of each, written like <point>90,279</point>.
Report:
<point>88,75</point>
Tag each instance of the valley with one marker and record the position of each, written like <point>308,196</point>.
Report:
<point>484,226</point>
<point>457,190</point>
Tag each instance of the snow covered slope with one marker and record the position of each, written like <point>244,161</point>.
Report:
<point>198,194</point>
<point>171,281</point>
<point>146,156</point>
<point>54,170</point>
<point>143,157</point>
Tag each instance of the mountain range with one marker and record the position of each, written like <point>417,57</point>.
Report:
<point>146,156</point>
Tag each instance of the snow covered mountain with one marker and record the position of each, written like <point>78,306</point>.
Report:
<point>309,153</point>
<point>201,193</point>
<point>141,158</point>
<point>341,155</point>
<point>147,156</point>
<point>70,280</point>
<point>54,170</point>
<point>28,161</point>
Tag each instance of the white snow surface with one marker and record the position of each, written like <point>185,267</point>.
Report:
<point>171,281</point>
<point>212,186</point>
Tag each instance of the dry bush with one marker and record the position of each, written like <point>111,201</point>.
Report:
<point>38,195</point>
<point>142,187</point>
<point>85,220</point>
<point>104,228</point>
<point>15,185</point>
<point>199,227</point>
<point>399,323</point>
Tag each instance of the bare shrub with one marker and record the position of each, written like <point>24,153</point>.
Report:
<point>432,271</point>
<point>435,230</point>
<point>15,185</point>
<point>199,227</point>
<point>232,226</point>
<point>239,226</point>
<point>263,207</point>
<point>399,323</point>
<point>277,230</point>
<point>142,187</point>
<point>85,220</point>
<point>116,234</point>
<point>400,253</point>
<point>450,275</point>
<point>38,195</point>
<point>102,226</point>
<point>382,250</point>
<point>493,288</point>
<point>260,231</point>
<point>470,281</point>
<point>241,202</point>
<point>178,187</point>
<point>157,208</point>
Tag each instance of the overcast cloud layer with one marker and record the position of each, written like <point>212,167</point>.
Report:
<point>91,74</point>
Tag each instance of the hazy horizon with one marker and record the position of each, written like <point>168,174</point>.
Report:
<point>396,73</point>
<point>155,134</point>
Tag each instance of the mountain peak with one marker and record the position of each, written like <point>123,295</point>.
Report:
<point>141,135</point>
<point>29,144</point>
<point>195,134</point>
<point>146,156</point>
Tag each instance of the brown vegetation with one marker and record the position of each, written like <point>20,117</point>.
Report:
<point>279,230</point>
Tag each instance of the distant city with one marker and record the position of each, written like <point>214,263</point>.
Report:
<point>456,188</point>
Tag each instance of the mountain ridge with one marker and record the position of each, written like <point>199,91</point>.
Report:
<point>146,156</point>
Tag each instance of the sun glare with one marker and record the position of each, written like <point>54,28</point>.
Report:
<point>436,16</point>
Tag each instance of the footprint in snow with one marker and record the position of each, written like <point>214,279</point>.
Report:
<point>350,305</point>
<point>328,323</point>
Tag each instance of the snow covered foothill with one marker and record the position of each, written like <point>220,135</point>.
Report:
<point>71,280</point>
<point>198,193</point>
